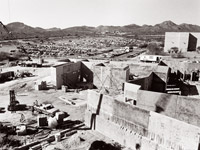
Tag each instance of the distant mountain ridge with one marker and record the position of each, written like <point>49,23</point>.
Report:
<point>21,30</point>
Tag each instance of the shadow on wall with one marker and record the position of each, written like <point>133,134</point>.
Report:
<point>192,43</point>
<point>158,85</point>
<point>86,73</point>
<point>161,63</point>
<point>162,103</point>
<point>93,116</point>
<point>187,89</point>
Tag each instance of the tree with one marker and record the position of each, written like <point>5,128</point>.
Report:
<point>154,49</point>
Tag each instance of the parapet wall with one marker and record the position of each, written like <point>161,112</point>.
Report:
<point>130,125</point>
<point>104,104</point>
<point>180,107</point>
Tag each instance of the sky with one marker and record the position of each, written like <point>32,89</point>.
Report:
<point>68,13</point>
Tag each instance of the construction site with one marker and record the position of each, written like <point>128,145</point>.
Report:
<point>101,104</point>
<point>109,91</point>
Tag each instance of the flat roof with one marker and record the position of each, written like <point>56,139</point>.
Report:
<point>60,64</point>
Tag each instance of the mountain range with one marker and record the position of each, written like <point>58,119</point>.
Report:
<point>21,30</point>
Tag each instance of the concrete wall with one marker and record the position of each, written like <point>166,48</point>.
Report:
<point>130,91</point>
<point>180,107</point>
<point>187,110</point>
<point>156,81</point>
<point>183,66</point>
<point>192,45</point>
<point>185,41</point>
<point>153,100</point>
<point>183,135</point>
<point>145,83</point>
<point>65,73</point>
<point>71,74</point>
<point>56,75</point>
<point>109,77</point>
<point>176,39</point>
<point>122,135</point>
<point>197,35</point>
<point>130,125</point>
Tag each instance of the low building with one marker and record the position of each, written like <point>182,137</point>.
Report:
<point>70,73</point>
<point>150,58</point>
<point>183,41</point>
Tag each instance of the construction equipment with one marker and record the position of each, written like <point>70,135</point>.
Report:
<point>47,109</point>
<point>14,104</point>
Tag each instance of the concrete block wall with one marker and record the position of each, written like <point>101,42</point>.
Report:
<point>130,125</point>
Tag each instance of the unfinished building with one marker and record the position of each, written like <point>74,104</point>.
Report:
<point>70,74</point>
<point>135,127</point>
<point>185,74</point>
<point>155,81</point>
<point>109,76</point>
<point>184,41</point>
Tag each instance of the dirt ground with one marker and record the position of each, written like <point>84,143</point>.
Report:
<point>26,94</point>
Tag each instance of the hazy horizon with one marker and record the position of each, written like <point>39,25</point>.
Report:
<point>69,13</point>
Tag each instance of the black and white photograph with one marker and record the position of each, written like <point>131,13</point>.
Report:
<point>99,74</point>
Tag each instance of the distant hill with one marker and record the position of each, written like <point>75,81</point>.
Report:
<point>21,30</point>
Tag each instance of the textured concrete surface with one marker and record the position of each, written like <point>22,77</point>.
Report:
<point>130,125</point>
<point>180,107</point>
<point>110,77</point>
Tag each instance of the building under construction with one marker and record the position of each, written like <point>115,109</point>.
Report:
<point>70,74</point>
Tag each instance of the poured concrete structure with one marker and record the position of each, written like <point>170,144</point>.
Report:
<point>106,76</point>
<point>156,81</point>
<point>70,74</point>
<point>130,125</point>
<point>184,41</point>
<point>180,107</point>
<point>130,92</point>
